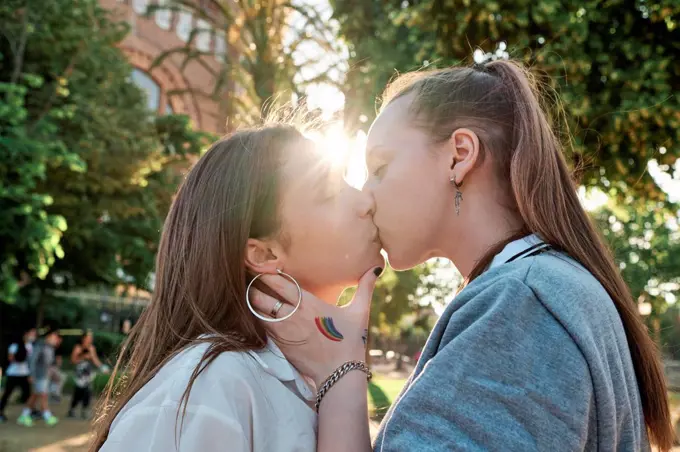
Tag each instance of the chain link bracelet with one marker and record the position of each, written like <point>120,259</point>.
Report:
<point>337,375</point>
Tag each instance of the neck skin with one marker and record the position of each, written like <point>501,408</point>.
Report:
<point>483,222</point>
<point>328,294</point>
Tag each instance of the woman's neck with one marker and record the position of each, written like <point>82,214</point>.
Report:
<point>475,231</point>
<point>328,294</point>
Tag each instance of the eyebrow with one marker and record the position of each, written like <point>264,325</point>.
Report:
<point>375,152</point>
<point>321,176</point>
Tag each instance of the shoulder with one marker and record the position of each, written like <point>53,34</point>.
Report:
<point>229,376</point>
<point>226,386</point>
<point>565,288</point>
<point>505,308</point>
<point>561,289</point>
<point>547,299</point>
<point>574,296</point>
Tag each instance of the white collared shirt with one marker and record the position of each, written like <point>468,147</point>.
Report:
<point>518,249</point>
<point>241,402</point>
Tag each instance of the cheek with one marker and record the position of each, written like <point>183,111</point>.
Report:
<point>410,192</point>
<point>331,248</point>
<point>410,207</point>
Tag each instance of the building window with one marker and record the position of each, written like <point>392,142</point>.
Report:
<point>220,46</point>
<point>163,16</point>
<point>139,6</point>
<point>184,25</point>
<point>168,109</point>
<point>203,36</point>
<point>149,86</point>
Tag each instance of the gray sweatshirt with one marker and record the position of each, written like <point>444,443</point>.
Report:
<point>41,359</point>
<point>531,356</point>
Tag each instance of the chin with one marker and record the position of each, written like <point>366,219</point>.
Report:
<point>401,262</point>
<point>376,260</point>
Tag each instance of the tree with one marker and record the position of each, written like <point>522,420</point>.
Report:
<point>276,48</point>
<point>406,299</point>
<point>378,49</point>
<point>615,64</point>
<point>89,172</point>
<point>646,244</point>
<point>29,234</point>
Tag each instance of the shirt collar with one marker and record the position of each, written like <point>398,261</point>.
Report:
<point>272,361</point>
<point>517,249</point>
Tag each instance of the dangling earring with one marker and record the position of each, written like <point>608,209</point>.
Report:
<point>459,194</point>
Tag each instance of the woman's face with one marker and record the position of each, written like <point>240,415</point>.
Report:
<point>87,340</point>
<point>409,181</point>
<point>328,238</point>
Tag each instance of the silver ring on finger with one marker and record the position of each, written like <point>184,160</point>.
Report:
<point>275,309</point>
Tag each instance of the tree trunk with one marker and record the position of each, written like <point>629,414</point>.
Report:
<point>40,314</point>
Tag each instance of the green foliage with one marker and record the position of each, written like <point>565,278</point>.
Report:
<point>646,244</point>
<point>382,392</point>
<point>615,64</point>
<point>29,233</point>
<point>403,301</point>
<point>87,172</point>
<point>669,332</point>
<point>108,344</point>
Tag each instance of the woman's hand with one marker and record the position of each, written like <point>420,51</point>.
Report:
<point>319,337</point>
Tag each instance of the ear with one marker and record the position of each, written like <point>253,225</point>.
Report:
<point>464,146</point>
<point>263,256</point>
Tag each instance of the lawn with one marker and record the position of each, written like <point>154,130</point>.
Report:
<point>381,393</point>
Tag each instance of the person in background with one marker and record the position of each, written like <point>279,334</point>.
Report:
<point>18,372</point>
<point>57,379</point>
<point>39,363</point>
<point>84,356</point>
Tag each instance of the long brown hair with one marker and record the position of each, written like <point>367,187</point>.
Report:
<point>230,195</point>
<point>501,102</point>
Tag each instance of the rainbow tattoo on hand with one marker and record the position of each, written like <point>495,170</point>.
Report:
<point>328,329</point>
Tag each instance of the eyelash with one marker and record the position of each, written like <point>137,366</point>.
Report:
<point>378,170</point>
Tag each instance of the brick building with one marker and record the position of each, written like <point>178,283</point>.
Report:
<point>166,30</point>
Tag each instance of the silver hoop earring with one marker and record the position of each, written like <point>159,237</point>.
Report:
<point>269,319</point>
<point>459,194</point>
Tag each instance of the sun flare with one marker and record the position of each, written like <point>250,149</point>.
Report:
<point>344,152</point>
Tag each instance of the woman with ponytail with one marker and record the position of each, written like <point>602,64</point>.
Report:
<point>543,348</point>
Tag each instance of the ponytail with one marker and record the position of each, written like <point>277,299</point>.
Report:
<point>498,101</point>
<point>549,206</point>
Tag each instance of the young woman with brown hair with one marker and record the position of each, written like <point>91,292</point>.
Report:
<point>543,349</point>
<point>198,372</point>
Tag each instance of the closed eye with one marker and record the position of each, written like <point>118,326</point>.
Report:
<point>379,171</point>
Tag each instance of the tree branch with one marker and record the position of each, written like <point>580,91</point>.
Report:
<point>19,54</point>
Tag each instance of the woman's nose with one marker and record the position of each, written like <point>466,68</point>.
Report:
<point>366,203</point>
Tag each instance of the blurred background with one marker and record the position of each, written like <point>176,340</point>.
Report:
<point>105,104</point>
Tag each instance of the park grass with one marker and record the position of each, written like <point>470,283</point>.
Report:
<point>382,392</point>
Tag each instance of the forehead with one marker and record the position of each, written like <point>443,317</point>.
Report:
<point>394,118</point>
<point>306,167</point>
<point>303,158</point>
